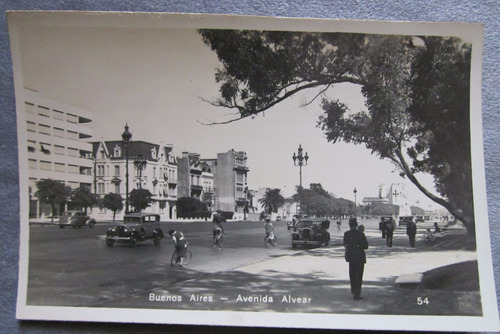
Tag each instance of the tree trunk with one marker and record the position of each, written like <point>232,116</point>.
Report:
<point>458,213</point>
<point>52,215</point>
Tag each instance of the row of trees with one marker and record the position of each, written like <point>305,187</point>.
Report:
<point>56,193</point>
<point>316,201</point>
<point>416,88</point>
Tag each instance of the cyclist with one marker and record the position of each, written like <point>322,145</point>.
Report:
<point>180,244</point>
<point>269,228</point>
<point>218,229</point>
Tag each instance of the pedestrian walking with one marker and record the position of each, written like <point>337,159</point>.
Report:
<point>411,231</point>
<point>389,227</point>
<point>355,244</point>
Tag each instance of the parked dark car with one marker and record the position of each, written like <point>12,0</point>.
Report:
<point>295,220</point>
<point>312,232</point>
<point>75,219</point>
<point>403,220</point>
<point>419,219</point>
<point>136,227</point>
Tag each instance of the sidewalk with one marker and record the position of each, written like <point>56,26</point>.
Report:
<point>317,281</point>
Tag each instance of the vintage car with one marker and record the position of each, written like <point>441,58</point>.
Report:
<point>311,232</point>
<point>75,219</point>
<point>295,220</point>
<point>136,227</point>
<point>403,220</point>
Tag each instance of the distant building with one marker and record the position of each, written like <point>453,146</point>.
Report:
<point>190,175</point>
<point>57,147</point>
<point>394,194</point>
<point>230,181</point>
<point>159,176</point>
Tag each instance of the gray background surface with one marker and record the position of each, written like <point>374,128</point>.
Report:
<point>486,12</point>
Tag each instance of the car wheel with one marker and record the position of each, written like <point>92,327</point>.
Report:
<point>61,226</point>
<point>133,241</point>
<point>91,223</point>
<point>110,242</point>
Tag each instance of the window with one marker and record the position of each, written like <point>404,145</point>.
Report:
<point>29,107</point>
<point>117,170</point>
<point>117,188</point>
<point>43,111</point>
<point>58,115</point>
<point>44,129</point>
<point>100,170</point>
<point>31,126</point>
<point>72,118</point>
<point>73,169</point>
<point>117,152</point>
<point>45,148</point>
<point>45,165</point>
<point>32,164</point>
<point>59,150</point>
<point>73,152</point>
<point>100,188</point>
<point>31,146</point>
<point>73,185</point>
<point>58,132</point>
<point>59,167</point>
<point>72,135</point>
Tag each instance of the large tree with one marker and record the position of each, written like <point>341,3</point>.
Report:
<point>113,202</point>
<point>416,90</point>
<point>52,192</point>
<point>140,199</point>
<point>272,200</point>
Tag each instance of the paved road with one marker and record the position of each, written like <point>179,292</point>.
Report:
<point>70,267</point>
<point>74,267</point>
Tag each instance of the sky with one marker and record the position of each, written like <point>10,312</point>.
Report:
<point>157,80</point>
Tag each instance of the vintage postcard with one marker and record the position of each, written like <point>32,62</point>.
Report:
<point>251,171</point>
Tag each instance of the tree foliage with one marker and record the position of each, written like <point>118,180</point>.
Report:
<point>83,198</point>
<point>272,200</point>
<point>52,192</point>
<point>190,206</point>
<point>140,199</point>
<point>416,90</point>
<point>316,201</point>
<point>113,202</point>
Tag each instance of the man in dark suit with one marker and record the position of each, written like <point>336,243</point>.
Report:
<point>389,225</point>
<point>355,244</point>
<point>411,231</point>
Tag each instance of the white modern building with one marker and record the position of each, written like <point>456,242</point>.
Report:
<point>57,146</point>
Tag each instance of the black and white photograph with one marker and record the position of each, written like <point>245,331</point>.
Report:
<point>251,171</point>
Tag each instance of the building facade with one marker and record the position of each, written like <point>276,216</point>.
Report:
<point>230,181</point>
<point>159,174</point>
<point>57,146</point>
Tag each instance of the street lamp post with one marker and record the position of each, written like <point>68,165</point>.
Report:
<point>140,164</point>
<point>300,160</point>
<point>355,191</point>
<point>126,136</point>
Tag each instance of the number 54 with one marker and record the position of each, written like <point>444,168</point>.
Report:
<point>422,301</point>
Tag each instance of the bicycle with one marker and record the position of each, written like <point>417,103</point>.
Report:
<point>218,239</point>
<point>270,239</point>
<point>186,259</point>
<point>426,240</point>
